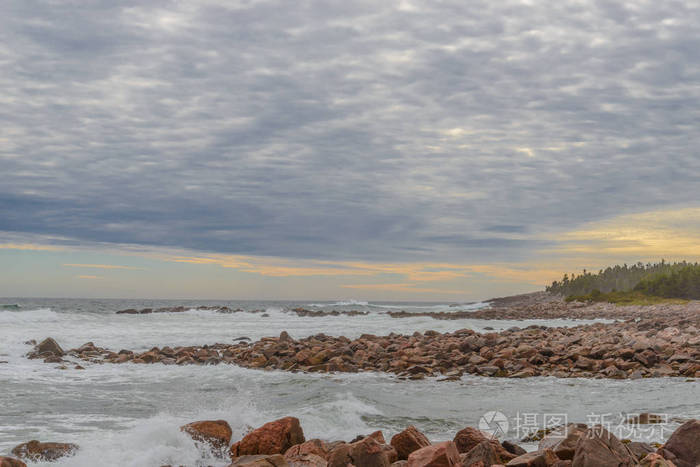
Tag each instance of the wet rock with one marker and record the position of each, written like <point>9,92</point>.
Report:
<point>272,438</point>
<point>407,441</point>
<point>275,460</point>
<point>216,433</point>
<point>438,455</point>
<point>43,452</point>
<point>599,448</point>
<point>48,347</point>
<point>683,447</point>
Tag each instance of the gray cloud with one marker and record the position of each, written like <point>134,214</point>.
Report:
<point>382,131</point>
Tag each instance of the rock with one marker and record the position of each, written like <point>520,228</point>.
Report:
<point>400,464</point>
<point>465,440</point>
<point>312,446</point>
<point>272,438</point>
<point>684,445</point>
<point>482,454</point>
<point>284,337</point>
<point>306,460</point>
<point>371,453</point>
<point>655,460</point>
<point>275,460</point>
<point>42,452</point>
<point>49,346</point>
<point>366,452</point>
<point>216,433</point>
<point>646,418</point>
<point>562,440</point>
<point>438,455</point>
<point>599,448</point>
<point>544,458</point>
<point>11,462</point>
<point>513,448</point>
<point>407,441</point>
<point>640,450</point>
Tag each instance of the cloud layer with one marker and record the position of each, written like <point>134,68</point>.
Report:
<point>376,131</point>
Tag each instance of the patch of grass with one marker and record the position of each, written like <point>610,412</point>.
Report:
<point>624,298</point>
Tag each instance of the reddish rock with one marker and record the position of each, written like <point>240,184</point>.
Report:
<point>37,452</point>
<point>468,438</point>
<point>599,448</point>
<point>371,453</point>
<point>482,454</point>
<point>275,460</point>
<point>11,462</point>
<point>683,447</point>
<point>272,438</point>
<point>407,441</point>
<point>216,433</point>
<point>437,455</point>
<point>655,460</point>
<point>545,458</point>
<point>306,460</point>
<point>312,446</point>
<point>562,440</point>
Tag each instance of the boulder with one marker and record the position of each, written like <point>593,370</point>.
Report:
<point>599,448</point>
<point>639,449</point>
<point>562,440</point>
<point>312,446</point>
<point>683,447</point>
<point>272,438</point>
<point>275,460</point>
<point>513,448</point>
<point>468,438</point>
<point>216,433</point>
<point>407,441</point>
<point>49,346</point>
<point>482,454</point>
<point>42,452</point>
<point>370,452</point>
<point>545,458</point>
<point>655,460</point>
<point>11,462</point>
<point>306,460</point>
<point>438,455</point>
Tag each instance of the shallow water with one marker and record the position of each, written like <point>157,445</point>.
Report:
<point>128,415</point>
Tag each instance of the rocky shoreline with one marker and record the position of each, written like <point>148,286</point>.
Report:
<point>660,341</point>
<point>281,443</point>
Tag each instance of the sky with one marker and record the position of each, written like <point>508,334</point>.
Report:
<point>394,150</point>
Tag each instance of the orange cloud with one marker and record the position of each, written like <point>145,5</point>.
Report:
<point>101,266</point>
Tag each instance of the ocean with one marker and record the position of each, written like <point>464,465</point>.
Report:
<point>130,414</point>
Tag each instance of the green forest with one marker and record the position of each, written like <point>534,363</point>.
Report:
<point>619,283</point>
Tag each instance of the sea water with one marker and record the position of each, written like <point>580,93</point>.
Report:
<point>129,414</point>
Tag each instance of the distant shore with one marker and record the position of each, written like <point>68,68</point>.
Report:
<point>642,341</point>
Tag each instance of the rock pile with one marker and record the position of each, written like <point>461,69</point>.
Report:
<point>650,346</point>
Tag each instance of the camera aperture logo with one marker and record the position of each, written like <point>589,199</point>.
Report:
<point>494,423</point>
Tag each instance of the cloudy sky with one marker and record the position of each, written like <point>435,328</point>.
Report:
<point>342,149</point>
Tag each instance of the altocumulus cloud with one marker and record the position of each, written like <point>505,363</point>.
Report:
<point>455,130</point>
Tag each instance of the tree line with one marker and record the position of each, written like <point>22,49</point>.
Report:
<point>676,280</point>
